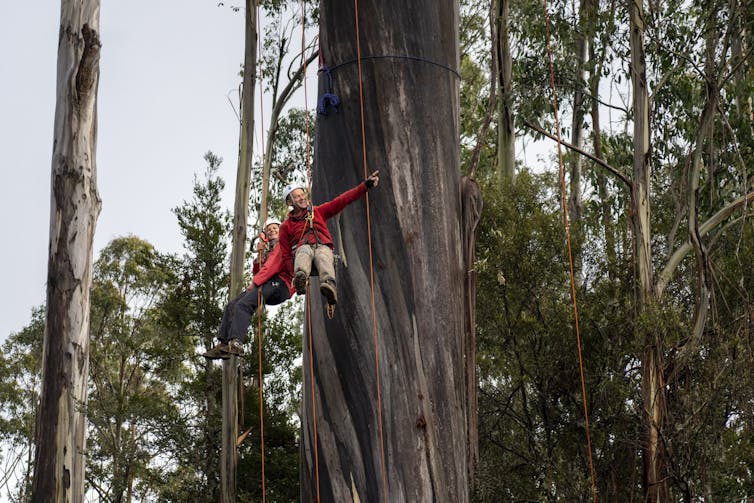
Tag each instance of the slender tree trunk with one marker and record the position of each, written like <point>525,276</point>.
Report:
<point>74,208</point>
<point>506,138</point>
<point>471,204</point>
<point>575,206</point>
<point>606,215</point>
<point>704,134</point>
<point>743,98</point>
<point>653,382</point>
<point>412,131</point>
<point>229,456</point>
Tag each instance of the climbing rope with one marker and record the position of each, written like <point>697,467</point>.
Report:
<point>570,253</point>
<point>308,301</point>
<point>260,299</point>
<point>371,260</point>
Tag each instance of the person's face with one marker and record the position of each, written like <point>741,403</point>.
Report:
<point>298,197</point>
<point>272,231</point>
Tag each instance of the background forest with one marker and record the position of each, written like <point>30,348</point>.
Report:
<point>655,104</point>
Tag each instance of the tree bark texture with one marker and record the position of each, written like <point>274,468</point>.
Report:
<point>229,452</point>
<point>74,208</point>
<point>409,61</point>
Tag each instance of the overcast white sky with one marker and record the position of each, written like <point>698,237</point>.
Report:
<point>166,69</point>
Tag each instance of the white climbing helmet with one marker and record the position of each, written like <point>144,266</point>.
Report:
<point>271,221</point>
<point>290,188</point>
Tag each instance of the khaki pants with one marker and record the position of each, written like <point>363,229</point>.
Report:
<point>322,257</point>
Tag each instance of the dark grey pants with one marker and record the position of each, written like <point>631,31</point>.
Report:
<point>238,312</point>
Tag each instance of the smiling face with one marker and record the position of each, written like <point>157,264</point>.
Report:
<point>298,200</point>
<point>272,231</point>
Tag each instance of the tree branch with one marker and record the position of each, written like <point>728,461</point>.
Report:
<point>602,163</point>
<point>664,277</point>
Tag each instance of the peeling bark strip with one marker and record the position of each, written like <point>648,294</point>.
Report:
<point>412,137</point>
<point>74,207</point>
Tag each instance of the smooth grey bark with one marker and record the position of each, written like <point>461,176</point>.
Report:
<point>506,137</point>
<point>411,107</point>
<point>656,486</point>
<point>74,208</point>
<point>582,43</point>
<point>229,451</point>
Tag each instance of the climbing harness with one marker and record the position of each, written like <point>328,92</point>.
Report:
<point>570,253</point>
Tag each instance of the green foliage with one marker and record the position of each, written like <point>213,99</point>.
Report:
<point>131,367</point>
<point>20,384</point>
<point>532,428</point>
<point>281,356</point>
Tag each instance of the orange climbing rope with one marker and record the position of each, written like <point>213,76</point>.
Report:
<point>371,260</point>
<point>263,217</point>
<point>570,253</point>
<point>308,302</point>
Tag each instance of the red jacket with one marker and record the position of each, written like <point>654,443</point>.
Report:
<point>296,229</point>
<point>272,266</point>
<point>269,246</point>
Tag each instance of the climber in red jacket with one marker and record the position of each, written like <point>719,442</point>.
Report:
<point>271,281</point>
<point>304,233</point>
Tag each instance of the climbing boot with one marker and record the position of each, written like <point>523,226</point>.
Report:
<point>327,288</point>
<point>235,347</point>
<point>219,352</point>
<point>299,282</point>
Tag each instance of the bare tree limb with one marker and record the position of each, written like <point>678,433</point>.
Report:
<point>664,277</point>
<point>589,156</point>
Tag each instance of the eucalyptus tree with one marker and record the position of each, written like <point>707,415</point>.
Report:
<point>674,210</point>
<point>229,457</point>
<point>408,443</point>
<point>134,367</point>
<point>75,204</point>
<point>194,311</point>
<point>242,193</point>
<point>709,37</point>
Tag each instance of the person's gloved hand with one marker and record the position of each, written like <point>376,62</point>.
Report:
<point>372,180</point>
<point>261,242</point>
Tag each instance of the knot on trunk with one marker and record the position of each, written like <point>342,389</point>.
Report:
<point>88,70</point>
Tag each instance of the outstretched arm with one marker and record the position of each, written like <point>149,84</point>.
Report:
<point>332,208</point>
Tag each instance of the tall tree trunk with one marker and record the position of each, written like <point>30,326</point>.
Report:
<point>606,214</point>
<point>412,129</point>
<point>653,382</point>
<point>74,208</point>
<point>229,453</point>
<point>506,138</point>
<point>575,205</point>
